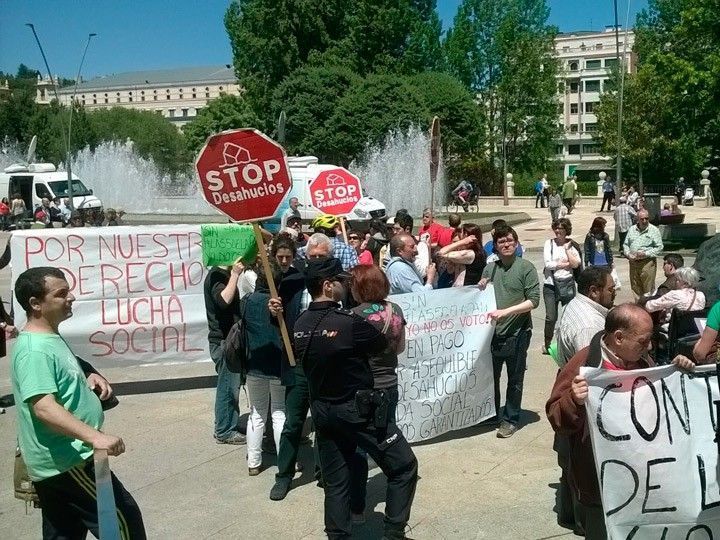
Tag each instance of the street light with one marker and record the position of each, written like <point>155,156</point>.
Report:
<point>72,107</point>
<point>57,97</point>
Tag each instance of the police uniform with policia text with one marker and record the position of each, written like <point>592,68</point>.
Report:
<point>333,345</point>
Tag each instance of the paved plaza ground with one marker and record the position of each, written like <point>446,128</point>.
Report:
<point>472,484</point>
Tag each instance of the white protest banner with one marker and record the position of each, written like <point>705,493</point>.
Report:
<point>138,290</point>
<point>653,434</point>
<point>445,374</point>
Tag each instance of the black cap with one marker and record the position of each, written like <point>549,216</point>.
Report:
<point>326,268</point>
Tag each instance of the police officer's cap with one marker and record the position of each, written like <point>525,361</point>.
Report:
<point>324,269</point>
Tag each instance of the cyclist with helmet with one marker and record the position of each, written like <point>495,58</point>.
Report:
<point>329,226</point>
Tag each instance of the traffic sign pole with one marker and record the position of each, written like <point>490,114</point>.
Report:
<point>273,291</point>
<point>342,227</point>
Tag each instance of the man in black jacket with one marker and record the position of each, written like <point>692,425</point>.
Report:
<point>333,346</point>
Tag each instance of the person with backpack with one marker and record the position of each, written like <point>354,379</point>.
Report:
<point>562,258</point>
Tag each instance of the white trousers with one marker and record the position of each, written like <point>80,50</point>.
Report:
<point>261,392</point>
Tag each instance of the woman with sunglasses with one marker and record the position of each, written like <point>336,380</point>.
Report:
<point>358,242</point>
<point>468,254</point>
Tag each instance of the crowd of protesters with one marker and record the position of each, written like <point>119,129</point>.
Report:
<point>14,214</point>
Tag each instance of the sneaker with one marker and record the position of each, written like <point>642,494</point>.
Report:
<point>253,471</point>
<point>280,490</point>
<point>506,430</point>
<point>358,519</point>
<point>235,438</point>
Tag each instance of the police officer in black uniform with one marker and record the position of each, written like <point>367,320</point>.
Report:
<point>333,345</point>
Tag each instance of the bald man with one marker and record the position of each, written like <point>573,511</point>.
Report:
<point>401,271</point>
<point>642,245</point>
<point>622,345</point>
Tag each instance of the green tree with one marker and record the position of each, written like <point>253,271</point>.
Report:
<point>50,124</point>
<point>15,116</point>
<point>220,114</point>
<point>309,97</point>
<point>371,109</point>
<point>671,121</point>
<point>153,136</point>
<point>503,53</point>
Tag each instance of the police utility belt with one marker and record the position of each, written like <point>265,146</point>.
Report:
<point>370,404</point>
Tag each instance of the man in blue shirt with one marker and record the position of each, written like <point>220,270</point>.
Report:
<point>489,246</point>
<point>401,271</point>
<point>329,225</point>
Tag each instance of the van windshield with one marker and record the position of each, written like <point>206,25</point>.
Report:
<point>60,188</point>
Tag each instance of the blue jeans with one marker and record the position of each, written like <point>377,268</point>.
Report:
<point>226,396</point>
<point>511,351</point>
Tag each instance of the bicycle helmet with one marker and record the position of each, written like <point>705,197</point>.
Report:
<point>324,221</point>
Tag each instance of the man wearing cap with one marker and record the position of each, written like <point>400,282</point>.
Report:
<point>333,346</point>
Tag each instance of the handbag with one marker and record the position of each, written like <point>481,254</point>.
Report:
<point>564,288</point>
<point>235,346</point>
<point>23,485</point>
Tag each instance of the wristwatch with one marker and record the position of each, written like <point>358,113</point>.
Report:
<point>3,325</point>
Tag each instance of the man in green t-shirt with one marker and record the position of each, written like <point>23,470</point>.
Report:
<point>517,293</point>
<point>60,415</point>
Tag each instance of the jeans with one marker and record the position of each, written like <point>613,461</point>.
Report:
<point>262,391</point>
<point>511,351</point>
<point>541,198</point>
<point>608,197</point>
<point>226,395</point>
<point>340,430</point>
<point>297,404</point>
<point>551,312</point>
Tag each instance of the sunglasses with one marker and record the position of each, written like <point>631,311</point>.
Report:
<point>353,237</point>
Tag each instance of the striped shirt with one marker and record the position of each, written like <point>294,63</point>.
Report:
<point>623,215</point>
<point>581,320</point>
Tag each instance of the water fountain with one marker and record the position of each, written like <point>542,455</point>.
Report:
<point>397,172</point>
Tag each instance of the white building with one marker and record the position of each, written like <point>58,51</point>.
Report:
<point>177,94</point>
<point>586,61</point>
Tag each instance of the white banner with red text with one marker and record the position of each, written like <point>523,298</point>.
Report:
<point>138,290</point>
<point>445,374</point>
<point>653,437</point>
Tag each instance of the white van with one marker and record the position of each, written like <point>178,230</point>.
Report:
<point>304,170</point>
<point>38,180</point>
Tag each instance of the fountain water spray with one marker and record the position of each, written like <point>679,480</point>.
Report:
<point>396,172</point>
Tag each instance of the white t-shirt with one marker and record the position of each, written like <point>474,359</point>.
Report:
<point>554,254</point>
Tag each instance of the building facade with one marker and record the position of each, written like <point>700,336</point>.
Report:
<point>176,94</point>
<point>586,63</point>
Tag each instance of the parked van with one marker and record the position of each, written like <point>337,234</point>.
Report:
<point>42,180</point>
<point>304,170</point>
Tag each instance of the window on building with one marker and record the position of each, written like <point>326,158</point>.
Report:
<point>130,97</point>
<point>194,93</point>
<point>94,101</point>
<point>220,88</point>
<point>167,94</point>
<point>574,149</point>
<point>184,113</point>
<point>180,94</point>
<point>611,62</point>
<point>591,127</point>
<point>106,99</point>
<point>590,106</point>
<point>593,64</point>
<point>566,49</point>
<point>117,100</point>
<point>573,65</point>
<point>573,108</point>
<point>171,113</point>
<point>573,128</point>
<point>559,150</point>
<point>574,86</point>
<point>561,108</point>
<point>591,148</point>
<point>592,86</point>
<point>599,46</point>
<point>583,47</point>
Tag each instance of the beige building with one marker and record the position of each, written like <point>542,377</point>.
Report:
<point>586,61</point>
<point>177,94</point>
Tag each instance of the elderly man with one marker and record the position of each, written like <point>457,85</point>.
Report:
<point>330,226</point>
<point>624,217</point>
<point>517,293</point>
<point>642,244</point>
<point>291,212</point>
<point>623,345</point>
<point>430,227</point>
<point>581,320</point>
<point>401,271</point>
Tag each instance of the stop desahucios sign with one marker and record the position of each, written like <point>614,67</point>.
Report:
<point>244,174</point>
<point>335,191</point>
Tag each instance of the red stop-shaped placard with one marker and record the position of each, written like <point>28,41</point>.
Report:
<point>335,192</point>
<point>244,174</point>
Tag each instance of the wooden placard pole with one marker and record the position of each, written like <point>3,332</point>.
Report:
<point>343,229</point>
<point>273,291</point>
<point>434,160</point>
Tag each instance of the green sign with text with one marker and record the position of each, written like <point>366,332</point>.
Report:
<point>224,244</point>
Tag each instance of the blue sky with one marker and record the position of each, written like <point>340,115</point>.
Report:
<point>153,34</point>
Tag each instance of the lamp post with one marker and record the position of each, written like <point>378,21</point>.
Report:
<point>621,66</point>
<point>72,107</point>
